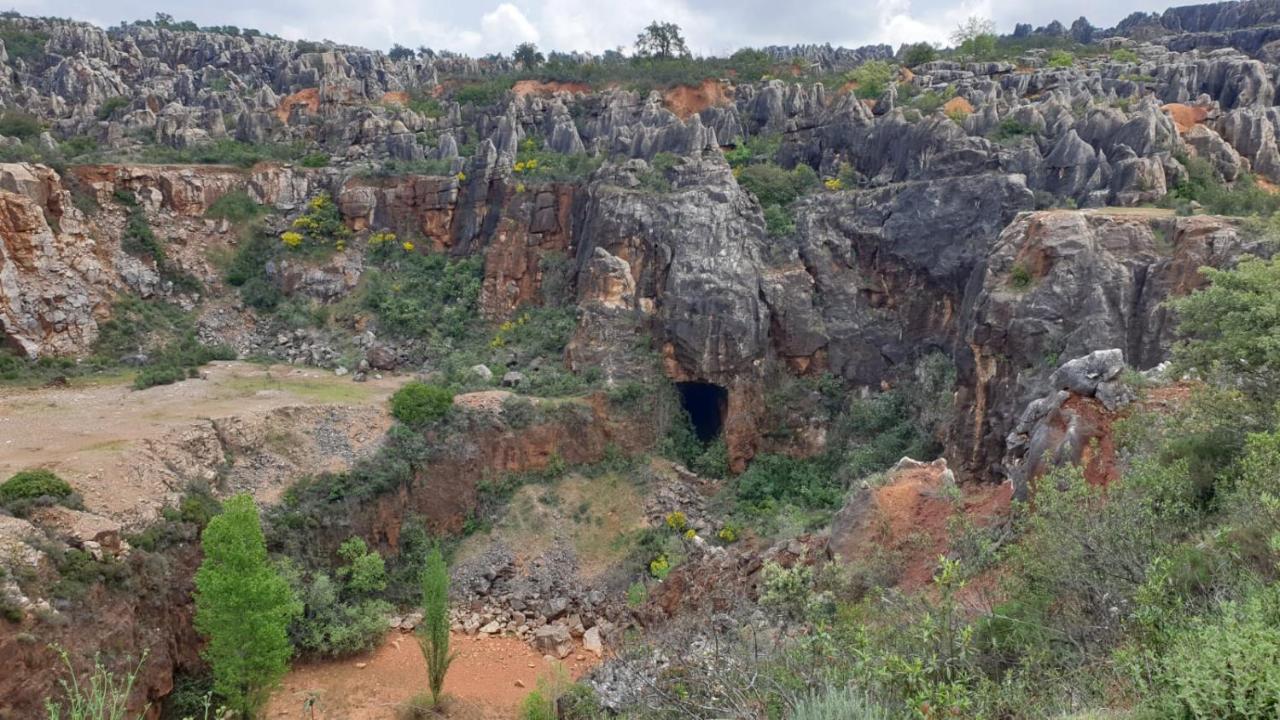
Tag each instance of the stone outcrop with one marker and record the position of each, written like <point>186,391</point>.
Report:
<point>1065,284</point>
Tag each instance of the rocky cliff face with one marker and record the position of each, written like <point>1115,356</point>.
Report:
<point>932,233</point>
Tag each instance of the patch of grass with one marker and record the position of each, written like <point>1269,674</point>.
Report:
<point>333,391</point>
<point>224,152</point>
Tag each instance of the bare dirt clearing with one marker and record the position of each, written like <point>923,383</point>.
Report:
<point>124,450</point>
<point>482,681</point>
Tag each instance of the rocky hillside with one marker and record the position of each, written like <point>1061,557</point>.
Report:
<point>594,236</point>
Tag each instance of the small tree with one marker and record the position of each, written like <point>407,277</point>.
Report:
<point>434,633</point>
<point>400,52</point>
<point>661,40</point>
<point>975,38</point>
<point>243,607</point>
<point>527,55</point>
<point>919,54</point>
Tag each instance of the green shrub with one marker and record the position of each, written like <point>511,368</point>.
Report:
<point>425,104</point>
<point>236,206</point>
<point>34,484</point>
<point>427,296</point>
<point>773,185</point>
<point>1010,129</point>
<point>22,44</point>
<point>341,617</point>
<point>159,375</point>
<point>111,105</point>
<point>162,331</point>
<point>1019,278</point>
<point>838,703</point>
<point>319,230</point>
<point>15,123</point>
<point>417,403</point>
<point>755,149</point>
<point>1230,325</point>
<point>1203,185</point>
<point>482,93</point>
<point>919,54</point>
<point>1124,55</point>
<point>872,78</point>
<point>774,480</point>
<point>1228,667</point>
<point>314,160</point>
<point>1061,59</point>
<point>778,221</point>
<point>534,163</point>
<point>75,147</point>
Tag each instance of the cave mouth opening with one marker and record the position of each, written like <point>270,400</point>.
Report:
<point>706,404</point>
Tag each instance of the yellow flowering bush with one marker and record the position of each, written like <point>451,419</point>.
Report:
<point>320,226</point>
<point>833,183</point>
<point>660,567</point>
<point>677,521</point>
<point>728,534</point>
<point>505,329</point>
<point>408,246</point>
<point>690,534</point>
<point>461,176</point>
<point>381,238</point>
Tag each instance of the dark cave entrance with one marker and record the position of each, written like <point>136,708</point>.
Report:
<point>706,404</point>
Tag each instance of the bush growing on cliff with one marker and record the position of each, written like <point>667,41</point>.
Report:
<point>157,334</point>
<point>483,93</point>
<point>418,404</point>
<point>535,163</point>
<point>236,207</point>
<point>243,608</point>
<point>1203,185</point>
<point>22,44</point>
<point>24,126</point>
<point>140,241</point>
<point>33,484</point>
<point>318,230</point>
<point>28,489</point>
<point>428,296</point>
<point>871,78</point>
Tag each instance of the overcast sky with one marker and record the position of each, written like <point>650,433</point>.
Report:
<point>483,26</point>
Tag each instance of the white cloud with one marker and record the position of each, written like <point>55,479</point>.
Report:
<point>483,26</point>
<point>897,24</point>
<point>506,27</point>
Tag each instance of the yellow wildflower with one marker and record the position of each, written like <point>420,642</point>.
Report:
<point>291,239</point>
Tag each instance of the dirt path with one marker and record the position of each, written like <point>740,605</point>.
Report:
<point>487,681</point>
<point>97,435</point>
